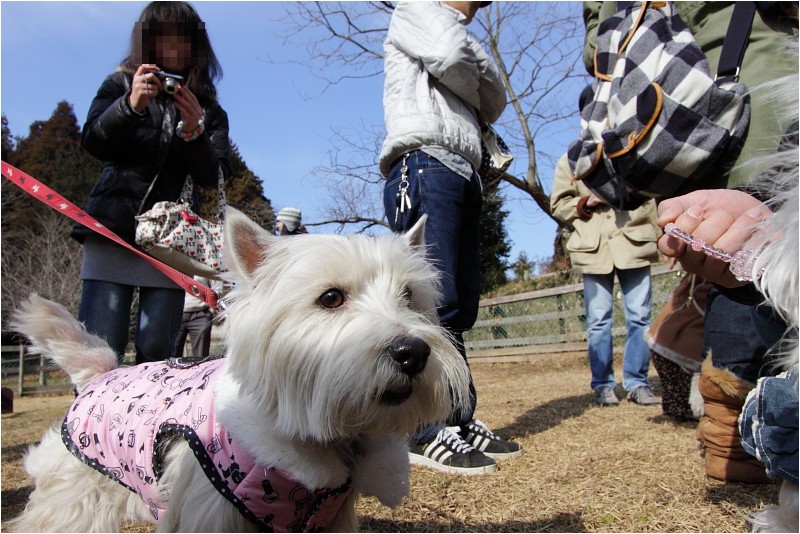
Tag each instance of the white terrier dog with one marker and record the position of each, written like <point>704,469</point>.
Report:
<point>334,357</point>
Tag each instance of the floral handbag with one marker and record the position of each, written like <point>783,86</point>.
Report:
<point>173,233</point>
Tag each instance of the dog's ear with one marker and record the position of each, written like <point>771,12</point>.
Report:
<point>416,236</point>
<point>246,242</point>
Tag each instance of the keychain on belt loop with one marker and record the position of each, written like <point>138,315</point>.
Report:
<point>402,198</point>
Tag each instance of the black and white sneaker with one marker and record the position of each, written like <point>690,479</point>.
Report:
<point>448,452</point>
<point>477,434</point>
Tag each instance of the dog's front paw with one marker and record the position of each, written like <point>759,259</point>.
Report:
<point>381,468</point>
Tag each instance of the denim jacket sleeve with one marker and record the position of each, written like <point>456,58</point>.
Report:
<point>768,424</point>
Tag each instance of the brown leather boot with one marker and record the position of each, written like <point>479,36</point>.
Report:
<point>718,430</point>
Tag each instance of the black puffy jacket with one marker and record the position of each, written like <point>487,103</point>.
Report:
<point>144,162</point>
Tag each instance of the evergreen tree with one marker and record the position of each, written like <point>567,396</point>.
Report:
<point>7,142</point>
<point>15,202</point>
<point>37,253</point>
<point>495,245</point>
<point>523,267</point>
<point>52,153</point>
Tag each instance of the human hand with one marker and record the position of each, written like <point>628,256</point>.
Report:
<point>189,106</point>
<point>722,218</point>
<point>144,86</point>
<point>592,201</point>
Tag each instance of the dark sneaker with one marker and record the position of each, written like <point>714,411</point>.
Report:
<point>643,395</point>
<point>604,396</point>
<point>451,454</point>
<point>477,434</point>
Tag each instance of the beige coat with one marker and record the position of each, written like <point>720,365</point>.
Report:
<point>605,238</point>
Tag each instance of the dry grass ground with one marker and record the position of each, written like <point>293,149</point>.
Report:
<point>584,468</point>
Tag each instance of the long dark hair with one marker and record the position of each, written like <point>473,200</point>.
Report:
<point>204,70</point>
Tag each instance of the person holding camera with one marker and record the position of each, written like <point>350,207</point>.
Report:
<point>154,122</point>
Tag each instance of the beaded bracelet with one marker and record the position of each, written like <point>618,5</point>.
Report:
<point>194,134</point>
<point>741,263</point>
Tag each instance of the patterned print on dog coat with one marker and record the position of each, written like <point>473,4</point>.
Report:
<point>119,419</point>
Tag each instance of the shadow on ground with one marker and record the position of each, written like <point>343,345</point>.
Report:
<point>13,502</point>
<point>16,452</point>
<point>748,496</point>
<point>546,416</point>
<point>561,522</point>
<point>667,420</point>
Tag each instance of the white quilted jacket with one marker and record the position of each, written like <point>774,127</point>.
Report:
<point>437,79</point>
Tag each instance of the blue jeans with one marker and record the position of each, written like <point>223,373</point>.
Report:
<point>452,235</point>
<point>106,308</point>
<point>739,336</point>
<point>598,299</point>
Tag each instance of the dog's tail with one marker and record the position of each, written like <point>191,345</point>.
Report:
<point>54,333</point>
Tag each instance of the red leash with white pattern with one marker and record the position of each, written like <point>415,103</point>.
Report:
<point>41,192</point>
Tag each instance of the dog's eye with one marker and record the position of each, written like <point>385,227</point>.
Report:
<point>332,298</point>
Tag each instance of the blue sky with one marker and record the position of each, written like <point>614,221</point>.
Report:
<point>53,51</point>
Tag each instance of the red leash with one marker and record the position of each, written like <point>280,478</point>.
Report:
<point>38,190</point>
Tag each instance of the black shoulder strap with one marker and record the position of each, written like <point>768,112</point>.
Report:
<point>730,58</point>
<point>738,33</point>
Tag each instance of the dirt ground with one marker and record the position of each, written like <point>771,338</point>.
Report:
<point>584,468</point>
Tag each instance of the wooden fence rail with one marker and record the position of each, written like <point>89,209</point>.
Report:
<point>520,327</point>
<point>16,362</point>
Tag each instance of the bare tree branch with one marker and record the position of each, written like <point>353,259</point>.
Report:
<point>536,46</point>
<point>39,257</point>
<point>354,184</point>
<point>352,34</point>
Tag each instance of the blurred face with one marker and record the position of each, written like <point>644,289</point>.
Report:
<point>173,49</point>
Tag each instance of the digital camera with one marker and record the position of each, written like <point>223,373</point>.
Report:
<point>169,82</point>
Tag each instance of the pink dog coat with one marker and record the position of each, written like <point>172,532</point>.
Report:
<point>119,421</point>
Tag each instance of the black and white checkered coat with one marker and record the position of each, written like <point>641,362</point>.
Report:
<point>658,125</point>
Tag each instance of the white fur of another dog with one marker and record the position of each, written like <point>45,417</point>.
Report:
<point>302,382</point>
<point>779,258</point>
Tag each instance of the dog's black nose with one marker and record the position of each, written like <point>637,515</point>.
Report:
<point>411,353</point>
